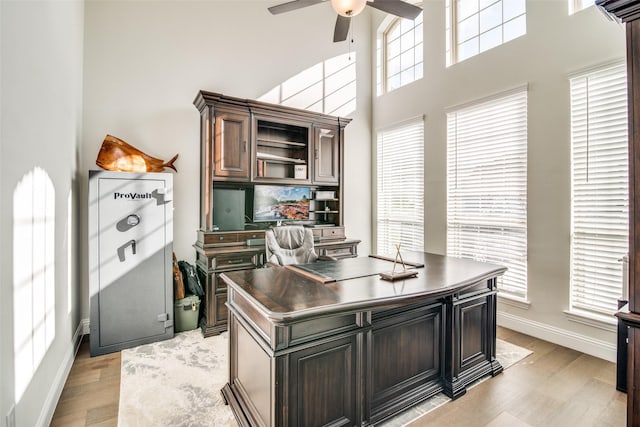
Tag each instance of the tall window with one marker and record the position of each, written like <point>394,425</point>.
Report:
<point>600,193</point>
<point>400,182</point>
<point>487,186</point>
<point>578,5</point>
<point>474,26</point>
<point>400,54</point>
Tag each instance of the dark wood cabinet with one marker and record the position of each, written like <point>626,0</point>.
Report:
<point>401,378</point>
<point>319,396</point>
<point>214,259</point>
<point>245,143</point>
<point>628,11</point>
<point>326,156</point>
<point>473,325</point>
<point>231,145</point>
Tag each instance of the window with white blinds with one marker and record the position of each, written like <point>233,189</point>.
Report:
<point>400,187</point>
<point>600,191</point>
<point>487,186</point>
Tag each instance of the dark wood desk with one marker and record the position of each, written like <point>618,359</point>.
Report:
<point>357,350</point>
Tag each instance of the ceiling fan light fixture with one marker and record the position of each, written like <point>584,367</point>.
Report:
<point>348,8</point>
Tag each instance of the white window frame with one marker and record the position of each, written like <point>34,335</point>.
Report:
<point>578,5</point>
<point>382,48</point>
<point>451,29</point>
<point>400,187</point>
<point>599,190</point>
<point>487,186</point>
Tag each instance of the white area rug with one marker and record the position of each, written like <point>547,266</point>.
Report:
<point>177,382</point>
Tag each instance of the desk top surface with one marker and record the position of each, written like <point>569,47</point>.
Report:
<point>353,283</point>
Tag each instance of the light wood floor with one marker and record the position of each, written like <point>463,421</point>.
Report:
<point>90,395</point>
<point>554,386</point>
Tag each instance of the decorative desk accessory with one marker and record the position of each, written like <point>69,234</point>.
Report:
<point>404,274</point>
<point>117,155</point>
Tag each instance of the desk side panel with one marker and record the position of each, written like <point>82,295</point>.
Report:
<point>405,358</point>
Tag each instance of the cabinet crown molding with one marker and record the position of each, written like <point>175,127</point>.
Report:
<point>205,98</point>
<point>622,10</point>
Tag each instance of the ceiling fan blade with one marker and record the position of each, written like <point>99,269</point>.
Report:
<point>396,7</point>
<point>342,28</point>
<point>292,5</point>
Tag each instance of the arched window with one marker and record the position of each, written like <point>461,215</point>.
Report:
<point>400,54</point>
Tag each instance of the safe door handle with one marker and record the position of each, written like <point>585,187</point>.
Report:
<point>121,249</point>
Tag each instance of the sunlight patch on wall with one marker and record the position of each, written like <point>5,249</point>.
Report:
<point>33,274</point>
<point>327,87</point>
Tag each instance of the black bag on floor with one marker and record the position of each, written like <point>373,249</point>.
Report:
<point>190,278</point>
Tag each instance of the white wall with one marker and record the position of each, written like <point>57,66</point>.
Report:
<point>41,85</point>
<point>145,61</point>
<point>555,45</point>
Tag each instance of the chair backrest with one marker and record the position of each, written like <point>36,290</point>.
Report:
<point>290,244</point>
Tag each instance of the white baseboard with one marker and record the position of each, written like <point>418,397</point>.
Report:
<point>49,406</point>
<point>582,343</point>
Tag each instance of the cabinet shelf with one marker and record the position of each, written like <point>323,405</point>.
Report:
<point>272,158</point>
<point>280,144</point>
<point>325,212</point>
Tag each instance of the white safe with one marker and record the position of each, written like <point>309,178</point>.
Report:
<point>130,259</point>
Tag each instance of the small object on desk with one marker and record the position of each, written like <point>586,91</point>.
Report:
<point>404,274</point>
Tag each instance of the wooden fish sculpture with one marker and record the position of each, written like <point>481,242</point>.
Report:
<point>117,155</point>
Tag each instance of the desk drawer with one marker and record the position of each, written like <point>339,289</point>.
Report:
<point>220,238</point>
<point>234,261</point>
<point>329,233</point>
<point>340,252</point>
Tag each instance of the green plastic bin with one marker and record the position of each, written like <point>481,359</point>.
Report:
<point>185,312</point>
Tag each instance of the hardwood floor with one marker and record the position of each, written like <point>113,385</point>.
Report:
<point>554,386</point>
<point>90,395</point>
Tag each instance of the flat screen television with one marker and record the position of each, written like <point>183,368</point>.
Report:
<point>280,203</point>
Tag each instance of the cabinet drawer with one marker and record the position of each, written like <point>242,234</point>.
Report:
<point>219,238</point>
<point>250,235</point>
<point>234,261</point>
<point>225,238</point>
<point>332,233</point>
<point>479,289</point>
<point>328,233</point>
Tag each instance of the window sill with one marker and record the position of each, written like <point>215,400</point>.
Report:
<point>514,301</point>
<point>590,319</point>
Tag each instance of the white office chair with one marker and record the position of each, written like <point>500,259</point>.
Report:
<point>290,244</point>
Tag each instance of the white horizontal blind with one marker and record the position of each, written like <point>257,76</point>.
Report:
<point>600,191</point>
<point>487,186</point>
<point>400,180</point>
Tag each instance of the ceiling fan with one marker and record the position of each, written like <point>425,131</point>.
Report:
<point>347,9</point>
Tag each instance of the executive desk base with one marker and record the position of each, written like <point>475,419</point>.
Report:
<point>351,364</point>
